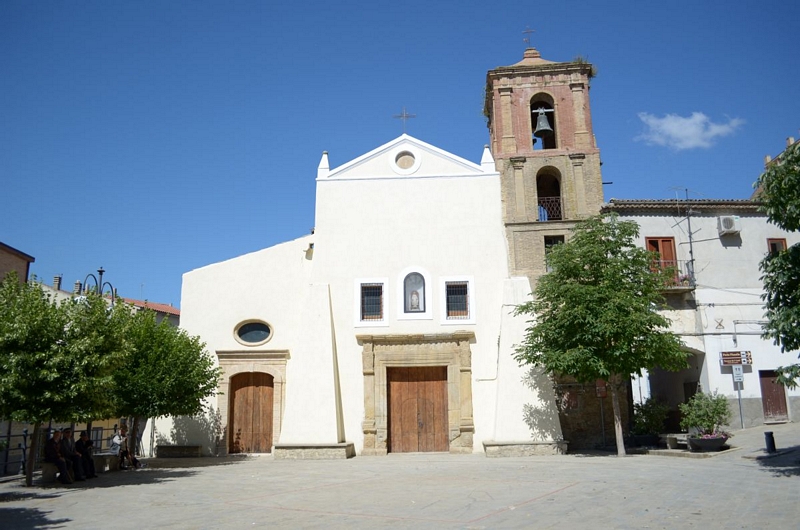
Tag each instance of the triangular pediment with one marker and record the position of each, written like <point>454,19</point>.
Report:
<point>407,157</point>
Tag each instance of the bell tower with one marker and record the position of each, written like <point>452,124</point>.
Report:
<point>541,135</point>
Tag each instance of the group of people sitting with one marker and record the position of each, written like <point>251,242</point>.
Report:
<point>73,459</point>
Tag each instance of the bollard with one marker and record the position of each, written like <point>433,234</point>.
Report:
<point>770,440</point>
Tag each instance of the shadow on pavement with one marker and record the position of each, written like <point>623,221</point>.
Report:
<point>12,496</point>
<point>25,519</point>
<point>188,463</point>
<point>786,464</point>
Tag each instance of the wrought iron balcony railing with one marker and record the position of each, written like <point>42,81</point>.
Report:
<point>680,273</point>
<point>550,209</point>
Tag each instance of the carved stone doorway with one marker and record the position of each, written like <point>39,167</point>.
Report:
<point>450,354</point>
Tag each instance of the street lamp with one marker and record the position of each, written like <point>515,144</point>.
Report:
<point>99,285</point>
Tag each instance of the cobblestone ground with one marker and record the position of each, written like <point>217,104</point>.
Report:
<point>729,490</point>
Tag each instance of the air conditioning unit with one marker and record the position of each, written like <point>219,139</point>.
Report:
<point>729,224</point>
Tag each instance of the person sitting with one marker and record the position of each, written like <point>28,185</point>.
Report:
<point>52,454</point>
<point>120,443</point>
<point>84,447</point>
<point>73,457</point>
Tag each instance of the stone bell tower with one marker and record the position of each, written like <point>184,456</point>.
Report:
<point>541,137</point>
<point>544,148</point>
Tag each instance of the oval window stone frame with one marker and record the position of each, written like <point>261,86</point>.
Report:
<point>253,323</point>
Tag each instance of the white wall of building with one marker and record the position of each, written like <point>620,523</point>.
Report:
<point>725,311</point>
<point>376,221</point>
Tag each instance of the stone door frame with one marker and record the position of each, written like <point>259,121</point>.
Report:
<point>234,362</point>
<point>441,349</point>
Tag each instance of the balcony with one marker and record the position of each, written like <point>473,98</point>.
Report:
<point>682,280</point>
<point>550,209</point>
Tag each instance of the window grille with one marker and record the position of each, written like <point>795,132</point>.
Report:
<point>371,301</point>
<point>457,300</point>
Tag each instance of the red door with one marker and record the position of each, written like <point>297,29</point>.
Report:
<point>773,397</point>
<point>417,409</point>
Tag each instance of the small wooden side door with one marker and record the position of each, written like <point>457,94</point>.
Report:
<point>773,397</point>
<point>251,413</point>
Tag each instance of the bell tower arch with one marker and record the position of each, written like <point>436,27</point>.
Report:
<point>540,127</point>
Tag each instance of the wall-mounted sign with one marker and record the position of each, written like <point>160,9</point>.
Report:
<point>600,388</point>
<point>732,358</point>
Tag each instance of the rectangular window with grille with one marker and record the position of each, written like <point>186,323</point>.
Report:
<point>457,300</point>
<point>371,301</point>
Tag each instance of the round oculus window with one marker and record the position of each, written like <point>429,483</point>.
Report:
<point>405,160</point>
<point>253,333</point>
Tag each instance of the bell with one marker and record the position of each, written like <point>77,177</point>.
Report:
<point>543,128</point>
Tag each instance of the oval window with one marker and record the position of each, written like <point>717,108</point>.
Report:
<point>253,333</point>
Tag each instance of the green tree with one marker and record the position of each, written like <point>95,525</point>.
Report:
<point>779,191</point>
<point>56,360</point>
<point>595,316</point>
<point>166,371</point>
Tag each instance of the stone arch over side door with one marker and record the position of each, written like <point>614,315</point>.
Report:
<point>269,362</point>
<point>451,350</point>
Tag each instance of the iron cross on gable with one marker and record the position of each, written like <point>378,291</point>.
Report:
<point>404,116</point>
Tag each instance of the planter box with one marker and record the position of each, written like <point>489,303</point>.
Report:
<point>178,451</point>
<point>706,444</point>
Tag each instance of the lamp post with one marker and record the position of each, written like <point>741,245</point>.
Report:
<point>99,285</point>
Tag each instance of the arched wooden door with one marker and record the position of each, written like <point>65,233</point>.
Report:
<point>250,415</point>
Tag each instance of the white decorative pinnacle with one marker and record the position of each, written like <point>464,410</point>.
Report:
<point>487,160</point>
<point>324,166</point>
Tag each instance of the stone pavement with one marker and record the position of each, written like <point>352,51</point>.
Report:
<point>729,490</point>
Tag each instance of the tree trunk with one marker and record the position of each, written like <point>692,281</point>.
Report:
<point>32,450</point>
<point>134,436</point>
<point>617,415</point>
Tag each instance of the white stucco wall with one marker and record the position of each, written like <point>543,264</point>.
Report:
<point>729,310</point>
<point>442,218</point>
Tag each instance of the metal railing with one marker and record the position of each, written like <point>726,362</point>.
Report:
<point>15,453</point>
<point>681,274</point>
<point>550,209</point>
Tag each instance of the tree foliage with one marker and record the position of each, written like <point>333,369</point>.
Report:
<point>85,358</point>
<point>595,316</point>
<point>166,372</point>
<point>56,360</point>
<point>779,191</point>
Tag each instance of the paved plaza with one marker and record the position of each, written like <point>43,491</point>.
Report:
<point>733,489</point>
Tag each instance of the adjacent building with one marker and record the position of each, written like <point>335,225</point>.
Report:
<point>13,260</point>
<point>714,248</point>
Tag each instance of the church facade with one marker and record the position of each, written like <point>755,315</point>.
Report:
<point>391,327</point>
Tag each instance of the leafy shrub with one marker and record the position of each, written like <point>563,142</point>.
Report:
<point>706,414</point>
<point>649,417</point>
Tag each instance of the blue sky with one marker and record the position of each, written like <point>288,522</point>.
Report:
<point>153,138</point>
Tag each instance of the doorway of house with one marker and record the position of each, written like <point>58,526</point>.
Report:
<point>773,397</point>
<point>250,415</point>
<point>417,409</point>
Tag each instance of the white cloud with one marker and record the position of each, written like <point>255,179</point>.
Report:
<point>680,133</point>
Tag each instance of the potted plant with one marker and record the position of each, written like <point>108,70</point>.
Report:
<point>703,417</point>
<point>648,421</point>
